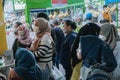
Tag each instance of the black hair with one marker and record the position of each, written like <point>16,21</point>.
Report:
<point>90,29</point>
<point>71,23</point>
<point>61,19</point>
<point>55,22</point>
<point>88,18</point>
<point>18,23</point>
<point>104,21</point>
<point>43,15</point>
<point>105,6</point>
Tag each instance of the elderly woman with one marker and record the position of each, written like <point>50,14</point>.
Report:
<point>23,40</point>
<point>26,67</point>
<point>43,46</point>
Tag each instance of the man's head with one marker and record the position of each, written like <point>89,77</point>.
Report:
<point>89,16</point>
<point>105,6</point>
<point>55,22</point>
<point>90,29</point>
<point>43,15</point>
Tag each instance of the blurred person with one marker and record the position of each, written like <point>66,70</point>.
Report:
<point>43,47</point>
<point>23,40</point>
<point>91,29</point>
<point>89,18</point>
<point>74,60</point>
<point>45,16</point>
<point>24,23</point>
<point>8,24</point>
<point>26,67</point>
<point>92,51</point>
<point>69,28</point>
<point>16,26</point>
<point>61,23</point>
<point>110,36</point>
<point>106,13</point>
<point>59,41</point>
<point>54,36</point>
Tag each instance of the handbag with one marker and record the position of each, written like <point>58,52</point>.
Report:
<point>56,74</point>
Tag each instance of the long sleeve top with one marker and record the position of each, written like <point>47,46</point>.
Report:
<point>66,47</point>
<point>44,52</point>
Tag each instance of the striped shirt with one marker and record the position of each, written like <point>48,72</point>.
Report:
<point>45,49</point>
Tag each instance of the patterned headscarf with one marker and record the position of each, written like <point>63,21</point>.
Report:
<point>24,35</point>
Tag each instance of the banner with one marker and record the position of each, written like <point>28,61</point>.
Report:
<point>59,2</point>
<point>19,5</point>
<point>111,1</point>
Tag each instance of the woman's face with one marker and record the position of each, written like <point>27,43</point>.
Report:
<point>66,28</point>
<point>21,33</point>
<point>36,28</point>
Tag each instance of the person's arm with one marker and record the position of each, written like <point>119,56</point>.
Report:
<point>10,74</point>
<point>43,47</point>
<point>75,45</point>
<point>79,55</point>
<point>13,75</point>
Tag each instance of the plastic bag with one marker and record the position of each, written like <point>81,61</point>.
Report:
<point>56,74</point>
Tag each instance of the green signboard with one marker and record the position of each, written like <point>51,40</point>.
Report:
<point>42,4</point>
<point>75,1</point>
<point>35,4</point>
<point>38,3</point>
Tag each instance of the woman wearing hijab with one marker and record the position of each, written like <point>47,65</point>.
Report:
<point>43,46</point>
<point>92,51</point>
<point>23,40</point>
<point>110,36</point>
<point>88,29</point>
<point>26,67</point>
<point>16,26</point>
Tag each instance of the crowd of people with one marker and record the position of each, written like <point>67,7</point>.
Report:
<point>90,54</point>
